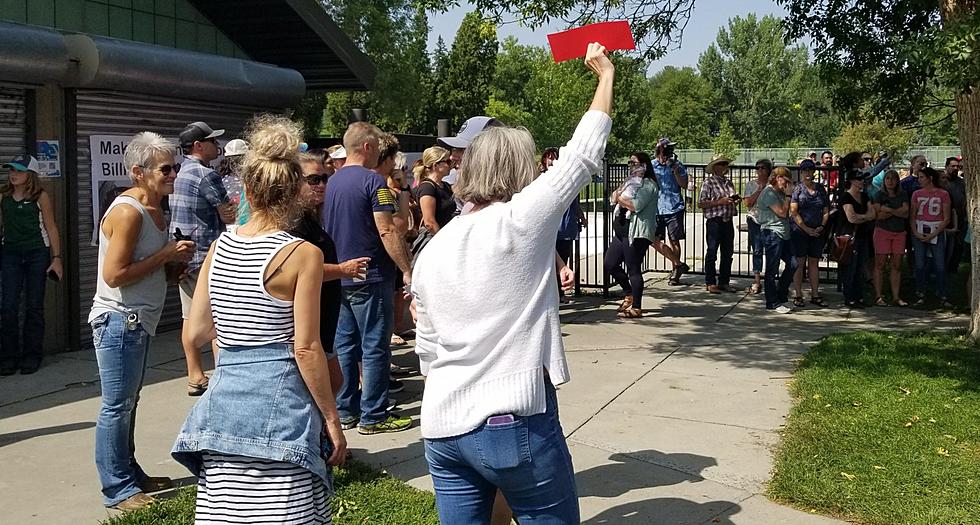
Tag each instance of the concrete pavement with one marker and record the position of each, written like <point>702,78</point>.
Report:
<point>670,419</point>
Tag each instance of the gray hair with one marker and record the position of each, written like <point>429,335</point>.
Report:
<point>401,161</point>
<point>143,149</point>
<point>499,163</point>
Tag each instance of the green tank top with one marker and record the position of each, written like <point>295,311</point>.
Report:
<point>23,228</point>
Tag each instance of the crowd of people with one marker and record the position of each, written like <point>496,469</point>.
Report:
<point>857,211</point>
<point>301,269</point>
<point>298,286</point>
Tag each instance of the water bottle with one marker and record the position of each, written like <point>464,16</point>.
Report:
<point>233,185</point>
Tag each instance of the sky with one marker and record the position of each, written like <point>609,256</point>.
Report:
<point>707,18</point>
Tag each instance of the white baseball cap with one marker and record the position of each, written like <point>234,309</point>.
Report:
<point>235,147</point>
<point>341,153</point>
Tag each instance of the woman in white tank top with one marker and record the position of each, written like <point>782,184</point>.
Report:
<point>130,290</point>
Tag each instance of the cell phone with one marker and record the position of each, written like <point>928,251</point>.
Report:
<point>736,197</point>
<point>500,420</point>
<point>179,235</point>
<point>53,276</point>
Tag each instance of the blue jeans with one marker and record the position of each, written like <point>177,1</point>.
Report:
<point>777,249</point>
<point>721,234</point>
<point>364,337</point>
<point>23,271</point>
<point>121,353</point>
<point>852,283</point>
<point>923,263</point>
<point>528,460</point>
<point>755,241</point>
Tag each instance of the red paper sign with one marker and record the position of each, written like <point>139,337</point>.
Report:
<point>573,43</point>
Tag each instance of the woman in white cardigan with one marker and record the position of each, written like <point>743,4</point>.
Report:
<point>488,335</point>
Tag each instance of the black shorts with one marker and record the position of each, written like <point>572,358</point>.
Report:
<point>673,225</point>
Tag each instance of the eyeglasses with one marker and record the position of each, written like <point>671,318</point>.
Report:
<point>316,180</point>
<point>165,169</point>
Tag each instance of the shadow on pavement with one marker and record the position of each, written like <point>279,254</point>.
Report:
<point>636,470</point>
<point>668,511</point>
<point>17,437</point>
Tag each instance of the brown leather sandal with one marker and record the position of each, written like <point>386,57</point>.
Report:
<point>626,305</point>
<point>197,389</point>
<point>632,313</point>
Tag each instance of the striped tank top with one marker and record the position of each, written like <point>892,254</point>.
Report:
<point>244,312</point>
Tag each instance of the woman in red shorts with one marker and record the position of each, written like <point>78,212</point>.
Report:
<point>892,208</point>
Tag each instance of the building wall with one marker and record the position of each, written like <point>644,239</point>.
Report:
<point>171,23</point>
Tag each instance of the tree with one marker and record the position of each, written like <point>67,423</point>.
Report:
<point>683,108</point>
<point>892,55</point>
<point>724,143</point>
<point>465,89</point>
<point>760,78</point>
<point>873,137</point>
<point>394,35</point>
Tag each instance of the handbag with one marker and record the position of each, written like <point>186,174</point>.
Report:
<point>841,249</point>
<point>425,235</point>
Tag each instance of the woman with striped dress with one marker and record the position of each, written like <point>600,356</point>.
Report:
<point>263,436</point>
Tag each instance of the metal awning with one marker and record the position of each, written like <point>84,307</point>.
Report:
<point>296,34</point>
<point>123,65</point>
<point>31,55</point>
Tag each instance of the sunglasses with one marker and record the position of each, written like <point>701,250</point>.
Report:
<point>316,180</point>
<point>868,159</point>
<point>166,168</point>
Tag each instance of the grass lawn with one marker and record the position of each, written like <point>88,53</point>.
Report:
<point>363,496</point>
<point>885,430</point>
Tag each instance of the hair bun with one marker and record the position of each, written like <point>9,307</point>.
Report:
<point>275,138</point>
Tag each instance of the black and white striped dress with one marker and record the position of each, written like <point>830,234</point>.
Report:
<point>236,489</point>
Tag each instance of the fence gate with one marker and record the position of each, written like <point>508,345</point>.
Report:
<point>590,248</point>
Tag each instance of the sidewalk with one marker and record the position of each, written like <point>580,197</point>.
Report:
<point>670,419</point>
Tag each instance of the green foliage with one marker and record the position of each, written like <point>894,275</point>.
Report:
<point>725,143</point>
<point>363,496</point>
<point>873,137</point>
<point>890,57</point>
<point>394,35</point>
<point>766,87</point>
<point>465,89</point>
<point>684,106</point>
<point>883,430</point>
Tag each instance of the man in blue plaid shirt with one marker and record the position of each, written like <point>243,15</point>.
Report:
<point>718,200</point>
<point>199,211</point>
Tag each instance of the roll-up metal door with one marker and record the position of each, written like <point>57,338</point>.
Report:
<point>13,118</point>
<point>112,113</point>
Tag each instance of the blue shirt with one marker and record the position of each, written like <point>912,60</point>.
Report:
<point>569,227</point>
<point>198,191</point>
<point>671,200</point>
<point>353,195</point>
<point>810,206</point>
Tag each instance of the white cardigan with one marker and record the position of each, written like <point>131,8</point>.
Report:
<point>487,299</point>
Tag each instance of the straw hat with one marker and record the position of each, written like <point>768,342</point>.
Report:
<point>717,159</point>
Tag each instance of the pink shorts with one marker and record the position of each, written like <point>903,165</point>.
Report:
<point>887,242</point>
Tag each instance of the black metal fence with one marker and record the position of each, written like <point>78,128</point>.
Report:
<point>590,248</point>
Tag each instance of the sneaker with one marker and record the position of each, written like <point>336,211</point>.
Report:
<point>392,424</point>
<point>682,268</point>
<point>156,484</point>
<point>395,386</point>
<point>135,502</point>
<point>399,371</point>
<point>347,423</point>
<point>782,309</point>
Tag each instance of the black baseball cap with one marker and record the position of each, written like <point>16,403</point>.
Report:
<point>196,132</point>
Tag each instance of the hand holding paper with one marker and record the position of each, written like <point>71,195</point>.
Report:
<point>573,43</point>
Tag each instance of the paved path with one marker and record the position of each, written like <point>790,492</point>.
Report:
<point>670,419</point>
